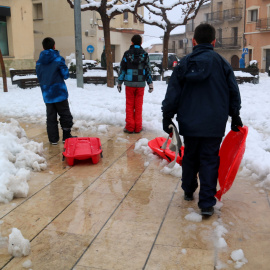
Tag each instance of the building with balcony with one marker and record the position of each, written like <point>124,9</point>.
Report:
<point>228,19</point>
<point>257,32</point>
<point>16,34</point>
<point>56,19</point>
<point>177,41</point>
<point>180,41</point>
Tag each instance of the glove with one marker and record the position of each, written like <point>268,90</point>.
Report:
<point>166,122</point>
<point>236,122</point>
<point>151,88</point>
<point>119,88</point>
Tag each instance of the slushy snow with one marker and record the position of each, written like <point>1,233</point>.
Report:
<point>18,246</point>
<point>18,156</point>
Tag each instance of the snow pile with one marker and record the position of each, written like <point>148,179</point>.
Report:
<point>242,74</point>
<point>195,217</point>
<point>18,246</point>
<point>176,170</point>
<point>142,147</point>
<point>183,251</point>
<point>220,231</point>
<point>98,73</point>
<point>239,258</point>
<point>18,156</point>
<point>27,264</point>
<point>19,77</point>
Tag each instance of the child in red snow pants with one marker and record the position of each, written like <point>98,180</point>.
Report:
<point>134,103</point>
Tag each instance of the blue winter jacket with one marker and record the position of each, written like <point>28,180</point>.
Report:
<point>203,92</point>
<point>51,72</point>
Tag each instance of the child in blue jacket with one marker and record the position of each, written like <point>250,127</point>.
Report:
<point>203,92</point>
<point>51,72</point>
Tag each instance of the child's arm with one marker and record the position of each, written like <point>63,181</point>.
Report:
<point>235,99</point>
<point>63,69</point>
<point>172,97</point>
<point>148,75</point>
<point>123,70</point>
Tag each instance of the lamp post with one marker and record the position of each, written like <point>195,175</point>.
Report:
<point>78,42</point>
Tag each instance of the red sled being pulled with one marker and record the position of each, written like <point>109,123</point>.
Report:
<point>82,148</point>
<point>231,153</point>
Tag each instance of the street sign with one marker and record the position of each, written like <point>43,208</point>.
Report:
<point>90,48</point>
<point>245,50</point>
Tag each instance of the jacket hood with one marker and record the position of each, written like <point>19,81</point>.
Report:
<point>198,65</point>
<point>136,54</point>
<point>47,56</point>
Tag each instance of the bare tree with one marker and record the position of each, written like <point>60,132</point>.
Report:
<point>2,64</point>
<point>160,8</point>
<point>107,10</point>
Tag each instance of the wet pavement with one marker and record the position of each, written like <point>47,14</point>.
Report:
<point>121,214</point>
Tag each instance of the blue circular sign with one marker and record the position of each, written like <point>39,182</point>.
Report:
<point>90,48</point>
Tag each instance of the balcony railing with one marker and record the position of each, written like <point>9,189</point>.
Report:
<point>214,17</point>
<point>234,14</point>
<point>263,24</point>
<point>229,43</point>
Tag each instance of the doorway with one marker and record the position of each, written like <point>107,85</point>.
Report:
<point>235,61</point>
<point>267,64</point>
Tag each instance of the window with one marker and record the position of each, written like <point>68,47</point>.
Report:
<point>253,15</point>
<point>235,35</point>
<point>37,11</point>
<point>181,44</point>
<point>249,55</point>
<point>3,36</point>
<point>125,16</point>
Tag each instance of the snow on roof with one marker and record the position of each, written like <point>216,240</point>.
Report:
<point>151,42</point>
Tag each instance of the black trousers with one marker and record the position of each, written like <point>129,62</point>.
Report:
<point>201,156</point>
<point>65,118</point>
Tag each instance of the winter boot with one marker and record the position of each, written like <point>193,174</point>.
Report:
<point>188,196</point>
<point>207,212</point>
<point>67,134</point>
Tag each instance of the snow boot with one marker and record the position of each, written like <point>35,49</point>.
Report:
<point>67,134</point>
<point>188,196</point>
<point>207,212</point>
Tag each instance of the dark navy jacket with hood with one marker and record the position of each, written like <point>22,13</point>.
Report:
<point>51,72</point>
<point>203,92</point>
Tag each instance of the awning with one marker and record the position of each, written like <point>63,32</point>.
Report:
<point>4,11</point>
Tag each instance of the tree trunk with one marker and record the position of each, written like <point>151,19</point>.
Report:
<point>108,51</point>
<point>165,49</point>
<point>4,75</point>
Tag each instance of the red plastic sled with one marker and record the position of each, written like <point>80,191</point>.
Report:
<point>167,154</point>
<point>82,148</point>
<point>231,153</point>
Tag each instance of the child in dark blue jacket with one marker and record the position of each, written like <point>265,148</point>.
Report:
<point>203,92</point>
<point>51,72</point>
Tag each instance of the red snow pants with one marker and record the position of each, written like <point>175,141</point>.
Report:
<point>134,103</point>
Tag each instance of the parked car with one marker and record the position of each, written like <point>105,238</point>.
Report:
<point>156,59</point>
<point>156,64</point>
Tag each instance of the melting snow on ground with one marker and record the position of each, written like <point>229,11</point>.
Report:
<point>18,157</point>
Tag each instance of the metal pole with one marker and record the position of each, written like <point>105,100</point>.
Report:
<point>78,42</point>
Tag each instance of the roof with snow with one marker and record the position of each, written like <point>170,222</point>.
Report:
<point>151,42</point>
